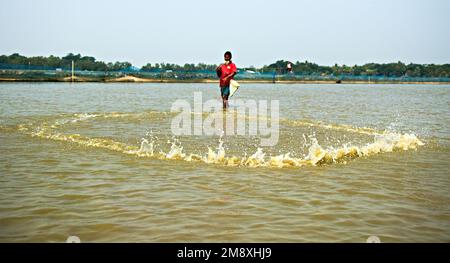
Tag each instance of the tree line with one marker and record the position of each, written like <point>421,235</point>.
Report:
<point>398,69</point>
<point>81,62</point>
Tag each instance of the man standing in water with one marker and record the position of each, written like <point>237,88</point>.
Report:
<point>226,72</point>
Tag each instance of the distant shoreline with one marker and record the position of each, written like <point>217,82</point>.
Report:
<point>131,79</point>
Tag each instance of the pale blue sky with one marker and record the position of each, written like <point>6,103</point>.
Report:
<point>257,32</point>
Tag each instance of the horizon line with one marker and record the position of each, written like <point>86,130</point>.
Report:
<point>251,66</point>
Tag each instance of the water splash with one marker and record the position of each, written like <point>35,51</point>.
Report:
<point>147,148</point>
<point>216,156</point>
<point>317,155</point>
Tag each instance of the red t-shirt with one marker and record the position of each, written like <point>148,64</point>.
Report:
<point>226,70</point>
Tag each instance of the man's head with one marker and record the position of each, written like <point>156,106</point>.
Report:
<point>227,56</point>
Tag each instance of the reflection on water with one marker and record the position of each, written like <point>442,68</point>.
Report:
<point>98,161</point>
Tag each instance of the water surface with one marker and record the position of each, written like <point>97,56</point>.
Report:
<point>99,161</point>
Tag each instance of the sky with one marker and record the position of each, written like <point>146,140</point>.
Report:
<point>257,32</point>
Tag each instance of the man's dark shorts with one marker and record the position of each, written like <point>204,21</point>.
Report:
<point>225,91</point>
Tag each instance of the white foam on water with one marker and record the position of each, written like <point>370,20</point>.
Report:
<point>383,142</point>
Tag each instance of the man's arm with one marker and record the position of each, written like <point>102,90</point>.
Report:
<point>219,71</point>
<point>231,75</point>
